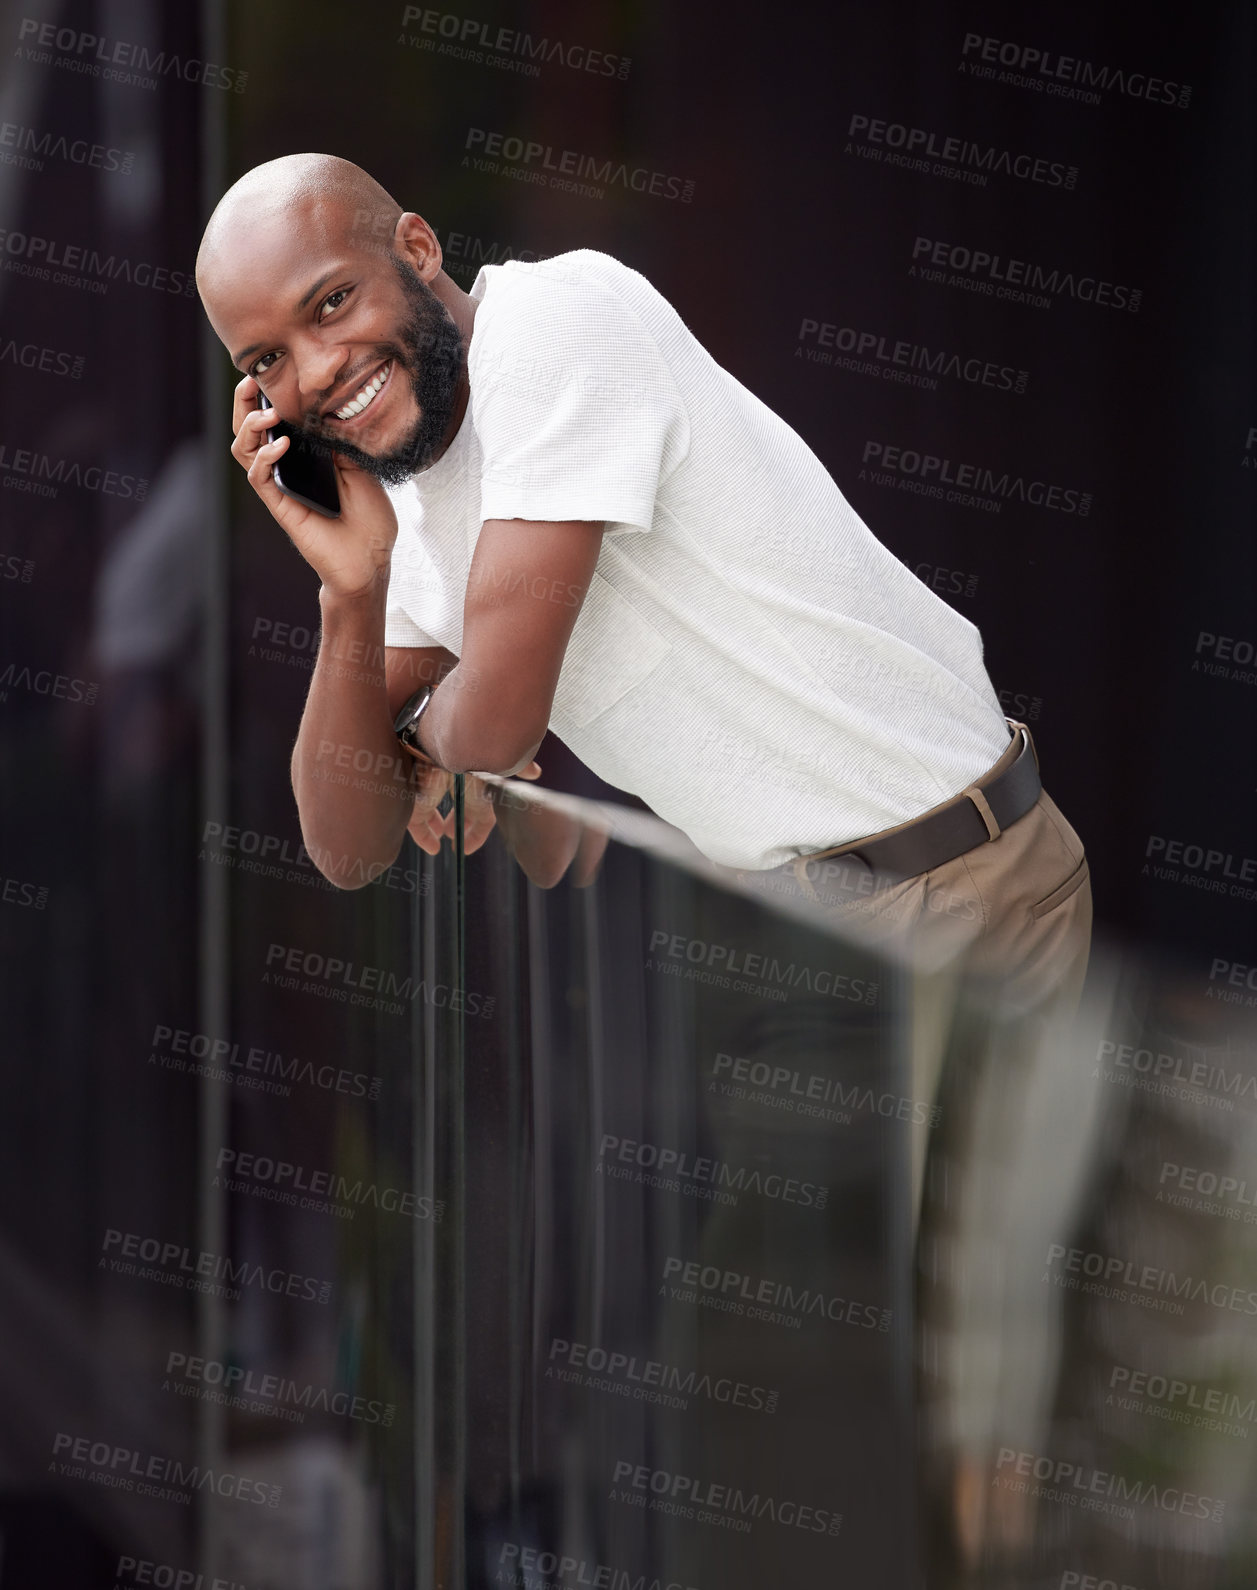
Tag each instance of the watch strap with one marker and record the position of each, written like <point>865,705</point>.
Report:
<point>406,722</point>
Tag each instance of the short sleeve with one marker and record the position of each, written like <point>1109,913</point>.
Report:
<point>576,410</point>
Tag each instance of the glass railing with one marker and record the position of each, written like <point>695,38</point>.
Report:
<point>577,1213</point>
<point>784,1252</point>
<point>688,1292</point>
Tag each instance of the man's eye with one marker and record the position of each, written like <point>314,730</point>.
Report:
<point>331,302</point>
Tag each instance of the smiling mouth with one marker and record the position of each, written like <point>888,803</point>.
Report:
<point>365,396</point>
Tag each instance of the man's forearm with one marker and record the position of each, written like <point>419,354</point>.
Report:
<point>354,784</point>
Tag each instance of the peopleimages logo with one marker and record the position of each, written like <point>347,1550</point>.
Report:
<point>1065,76</point>
<point>274,856</point>
<point>708,1502</point>
<point>809,1094</point>
<point>233,1386</point>
<point>43,682</point>
<point>468,38</point>
<point>135,1571</point>
<point>323,1191</point>
<point>267,1070</point>
<point>463,252</point>
<point>119,1468</point>
<point>969,485</point>
<point>28,470</point>
<point>761,1298</point>
<point>1175,1076</point>
<point>175,1264</point>
<point>1147,1284</point>
<point>1074,1482</point>
<point>1208,1193</point>
<point>1180,1401</point>
<point>726,960</point>
<point>1200,867</point>
<point>48,361</point>
<point>47,259</point>
<point>1240,978</point>
<point>1225,657</point>
<point>14,891</point>
<point>56,146</point>
<point>534,160</point>
<point>330,977</point>
<point>91,55</point>
<point>679,1171</point>
<point>899,360</point>
<point>15,567</point>
<point>1078,1579</point>
<point>1017,280</point>
<point>649,1379</point>
<point>921,144</point>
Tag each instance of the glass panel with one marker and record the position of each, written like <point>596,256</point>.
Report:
<point>793,1256</point>
<point>690,1137</point>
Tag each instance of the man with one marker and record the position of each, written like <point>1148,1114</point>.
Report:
<point>561,512</point>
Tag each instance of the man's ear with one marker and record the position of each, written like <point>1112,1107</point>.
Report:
<point>418,242</point>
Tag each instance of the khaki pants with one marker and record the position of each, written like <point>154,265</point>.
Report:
<point>994,945</point>
<point>1004,930</point>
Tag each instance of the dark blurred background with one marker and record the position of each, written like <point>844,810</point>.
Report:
<point>158,630</point>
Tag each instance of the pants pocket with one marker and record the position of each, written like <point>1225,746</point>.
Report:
<point>1063,891</point>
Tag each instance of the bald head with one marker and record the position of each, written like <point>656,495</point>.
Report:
<point>348,202</point>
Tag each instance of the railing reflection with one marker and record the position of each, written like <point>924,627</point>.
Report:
<point>791,1255</point>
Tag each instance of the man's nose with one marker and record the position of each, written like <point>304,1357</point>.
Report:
<point>317,369</point>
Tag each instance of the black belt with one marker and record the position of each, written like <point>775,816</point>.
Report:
<point>977,815</point>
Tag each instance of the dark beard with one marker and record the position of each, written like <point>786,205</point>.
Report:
<point>430,351</point>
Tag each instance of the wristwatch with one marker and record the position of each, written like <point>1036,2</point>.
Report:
<point>406,723</point>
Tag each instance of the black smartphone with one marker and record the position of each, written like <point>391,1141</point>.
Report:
<point>305,472</point>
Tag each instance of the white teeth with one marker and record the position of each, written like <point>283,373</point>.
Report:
<point>366,396</point>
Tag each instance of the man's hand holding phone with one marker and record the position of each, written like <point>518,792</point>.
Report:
<point>348,553</point>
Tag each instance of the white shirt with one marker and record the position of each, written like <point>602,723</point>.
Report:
<point>749,659</point>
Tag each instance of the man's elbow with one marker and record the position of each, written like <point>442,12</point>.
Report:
<point>492,748</point>
<point>346,883</point>
<point>347,871</point>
